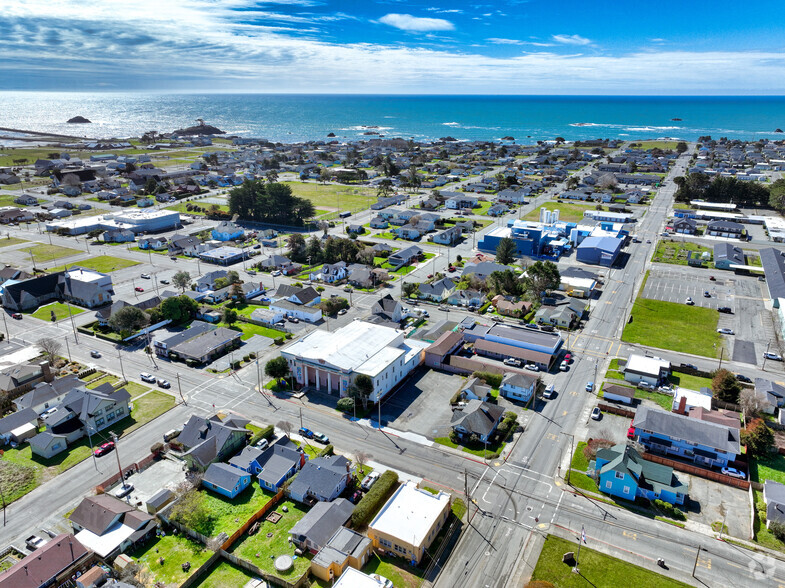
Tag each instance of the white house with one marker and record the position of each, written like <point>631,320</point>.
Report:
<point>309,314</point>
<point>516,386</point>
<point>652,370</point>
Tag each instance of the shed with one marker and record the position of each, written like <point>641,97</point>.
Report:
<point>615,393</point>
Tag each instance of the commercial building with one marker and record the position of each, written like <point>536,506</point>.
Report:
<point>409,522</point>
<point>599,250</point>
<point>501,341</point>
<point>330,361</point>
<point>223,255</point>
<point>137,221</point>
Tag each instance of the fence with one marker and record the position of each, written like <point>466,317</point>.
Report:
<point>258,515</point>
<point>140,465</point>
<point>719,404</point>
<point>617,410</point>
<point>268,577</point>
<point>697,471</point>
<point>201,572</point>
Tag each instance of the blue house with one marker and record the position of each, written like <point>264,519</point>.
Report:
<point>227,231</point>
<point>625,474</point>
<point>278,463</point>
<point>225,479</point>
<point>701,442</point>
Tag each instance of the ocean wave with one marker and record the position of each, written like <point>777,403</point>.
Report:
<point>651,128</point>
<point>365,128</point>
<point>451,124</point>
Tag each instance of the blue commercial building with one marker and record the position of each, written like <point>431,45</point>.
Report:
<point>532,239</point>
<point>599,250</point>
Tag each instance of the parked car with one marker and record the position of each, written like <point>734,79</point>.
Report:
<point>347,289</point>
<point>104,448</point>
<point>689,366</point>
<point>139,289</point>
<point>262,444</point>
<point>665,388</point>
<point>321,438</point>
<point>369,481</point>
<point>355,497</point>
<point>590,387</point>
<point>712,279</point>
<point>734,473</point>
<point>631,432</point>
<point>307,433</point>
<point>725,309</point>
<point>596,414</point>
<point>164,281</point>
<point>451,268</point>
<point>145,377</point>
<point>251,272</point>
<point>429,276</point>
<point>512,361</point>
<point>95,353</point>
<point>531,326</point>
<point>568,358</point>
<point>531,367</point>
<point>726,331</point>
<point>124,490</point>
<point>645,385</point>
<point>564,366</point>
<point>342,312</point>
<point>292,319</point>
<point>33,542</point>
<point>742,378</point>
<point>706,294</point>
<point>16,315</point>
<point>276,273</point>
<point>770,355</point>
<point>145,276</point>
<point>164,383</point>
<point>257,246</point>
<point>689,301</point>
<point>549,392</point>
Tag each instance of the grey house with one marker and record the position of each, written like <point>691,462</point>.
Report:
<point>313,531</point>
<point>206,440</point>
<point>321,479</point>
<point>477,418</point>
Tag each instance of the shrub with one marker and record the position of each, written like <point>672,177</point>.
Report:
<point>246,358</point>
<point>157,448</point>
<point>266,433</point>
<point>328,450</point>
<point>278,340</point>
<point>454,436</point>
<point>346,405</point>
<point>669,510</point>
<point>252,355</point>
<point>594,445</point>
<point>777,529</point>
<point>373,500</point>
<point>493,380</point>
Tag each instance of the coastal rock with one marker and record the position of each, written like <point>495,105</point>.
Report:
<point>508,138</point>
<point>78,120</point>
<point>331,134</point>
<point>448,138</point>
<point>778,131</point>
<point>201,129</point>
<point>675,119</point>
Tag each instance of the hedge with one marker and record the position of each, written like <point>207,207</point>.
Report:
<point>328,450</point>
<point>266,433</point>
<point>493,380</point>
<point>370,504</point>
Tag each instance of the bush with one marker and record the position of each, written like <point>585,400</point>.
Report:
<point>493,380</point>
<point>252,355</point>
<point>370,503</point>
<point>454,435</point>
<point>278,340</point>
<point>594,445</point>
<point>777,529</point>
<point>246,358</point>
<point>328,450</point>
<point>157,448</point>
<point>266,433</point>
<point>669,510</point>
<point>346,405</point>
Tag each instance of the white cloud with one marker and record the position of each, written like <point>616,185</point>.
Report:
<point>407,22</point>
<point>498,41</point>
<point>571,39</point>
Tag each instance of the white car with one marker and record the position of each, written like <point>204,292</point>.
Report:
<point>147,377</point>
<point>512,361</point>
<point>773,356</point>
<point>549,392</point>
<point>725,331</point>
<point>734,473</point>
<point>123,490</point>
<point>531,367</point>
<point>689,301</point>
<point>564,366</point>
<point>145,276</point>
<point>596,414</point>
<point>276,273</point>
<point>369,481</point>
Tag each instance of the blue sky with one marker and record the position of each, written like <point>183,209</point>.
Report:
<point>391,46</point>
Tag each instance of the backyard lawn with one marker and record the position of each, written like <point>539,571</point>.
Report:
<point>45,253</point>
<point>567,211</point>
<point>335,196</point>
<point>669,325</point>
<point>175,550</point>
<point>249,330</point>
<point>261,550</point>
<point>663,400</point>
<point>225,575</point>
<point>228,515</point>
<point>768,469</point>
<point>44,313</point>
<point>101,263</point>
<point>676,252</point>
<point>689,381</point>
<point>596,569</point>
<point>394,569</point>
<point>150,406</point>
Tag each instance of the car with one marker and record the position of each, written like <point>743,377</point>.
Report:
<point>369,481</point>
<point>648,240</point>
<point>321,438</point>
<point>276,273</point>
<point>547,328</point>
<point>262,444</point>
<point>631,432</point>
<point>725,331</point>
<point>342,311</point>
<point>743,378</point>
<point>665,388</point>
<point>531,326</point>
<point>95,353</point>
<point>164,281</point>
<point>304,432</point>
<point>164,383</point>
<point>497,319</point>
<point>139,289</point>
<point>124,490</point>
<point>145,276</point>
<point>645,385</point>
<point>596,414</point>
<point>568,358</point>
<point>444,308</point>
<point>16,315</point>
<point>429,276</point>
<point>564,366</point>
<point>773,356</point>
<point>690,366</point>
<point>712,279</point>
<point>104,448</point>
<point>257,246</point>
<point>292,319</point>
<point>689,301</point>
<point>425,314</point>
<point>590,387</point>
<point>725,309</point>
<point>145,377</point>
<point>512,361</point>
<point>33,542</point>
<point>706,294</point>
<point>451,268</point>
<point>531,367</point>
<point>549,392</point>
<point>471,308</point>
<point>355,497</point>
<point>734,473</point>
<point>347,289</point>
<point>251,272</point>
<point>636,240</point>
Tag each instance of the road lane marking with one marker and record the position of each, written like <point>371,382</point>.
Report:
<point>633,536</point>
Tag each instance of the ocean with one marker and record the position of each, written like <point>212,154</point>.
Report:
<point>294,118</point>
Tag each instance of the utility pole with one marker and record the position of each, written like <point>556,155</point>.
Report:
<point>90,440</point>
<point>301,418</point>
<point>120,357</point>
<point>576,569</point>
<point>722,352</point>
<point>764,355</point>
<point>468,495</point>
<point>7,332</point>
<point>572,443</point>
<point>180,388</point>
<point>3,497</point>
<point>117,454</point>
<point>68,349</point>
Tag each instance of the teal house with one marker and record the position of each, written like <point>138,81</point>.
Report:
<point>623,473</point>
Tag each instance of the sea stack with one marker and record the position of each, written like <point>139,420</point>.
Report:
<point>778,131</point>
<point>78,120</point>
<point>331,134</point>
<point>508,138</point>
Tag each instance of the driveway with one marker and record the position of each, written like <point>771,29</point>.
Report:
<point>422,405</point>
<point>711,501</point>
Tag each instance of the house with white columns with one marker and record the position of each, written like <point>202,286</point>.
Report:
<point>329,361</point>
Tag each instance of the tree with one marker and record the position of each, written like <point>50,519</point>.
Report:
<point>505,251</point>
<point>725,386</point>
<point>313,250</point>
<point>413,178</point>
<point>681,147</point>
<point>607,181</point>
<point>297,247</point>
<point>751,404</point>
<point>362,388</point>
<point>150,186</point>
<point>542,276</point>
<point>572,182</point>
<point>361,458</point>
<point>758,438</point>
<point>389,168</point>
<point>777,195</point>
<point>229,316</point>
<point>286,427</point>
<point>271,176</point>
<point>182,280</point>
<point>237,293</point>
<point>324,175</point>
<point>277,368</point>
<point>505,282</point>
<point>384,188</point>
<point>190,510</point>
<point>178,309</point>
<point>411,289</point>
<point>127,320</point>
<point>271,202</point>
<point>50,347</point>
<point>232,277</point>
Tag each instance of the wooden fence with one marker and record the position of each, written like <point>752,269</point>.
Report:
<point>617,410</point>
<point>697,471</point>
<point>202,571</point>
<point>140,465</point>
<point>269,505</point>
<point>267,576</point>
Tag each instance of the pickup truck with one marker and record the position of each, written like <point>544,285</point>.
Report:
<point>33,542</point>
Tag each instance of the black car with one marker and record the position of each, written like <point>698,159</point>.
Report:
<point>690,366</point>
<point>743,378</point>
<point>725,309</point>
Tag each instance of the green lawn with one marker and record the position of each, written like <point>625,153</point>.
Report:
<point>261,550</point>
<point>11,241</point>
<point>670,325</point>
<point>401,271</point>
<point>583,482</point>
<point>482,208</point>
<point>596,569</point>
<point>107,378</point>
<point>768,469</point>
<point>337,196</point>
<point>225,575</point>
<point>579,461</point>
<point>763,536</point>
<point>150,406</point>
<point>689,381</point>
<point>224,511</point>
<point>134,388</point>
<point>664,145</point>
<point>175,550</point>
<point>567,210</point>
<point>101,263</point>
<point>676,252</point>
<point>181,207</point>
<point>663,400</point>
<point>61,311</point>
<point>390,568</point>
<point>44,253</point>
<point>249,330</point>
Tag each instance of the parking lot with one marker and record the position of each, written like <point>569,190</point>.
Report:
<point>710,502</point>
<point>743,294</point>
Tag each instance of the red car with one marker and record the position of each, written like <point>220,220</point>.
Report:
<point>568,358</point>
<point>430,276</point>
<point>139,289</point>
<point>17,316</point>
<point>104,449</point>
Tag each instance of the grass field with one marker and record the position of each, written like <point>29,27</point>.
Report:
<point>583,482</point>
<point>175,550</point>
<point>596,569</point>
<point>768,469</point>
<point>579,461</point>
<point>689,381</point>
<point>669,325</point>
<point>101,263</point>
<point>664,145</point>
<point>224,510</point>
<point>663,400</point>
<point>61,311</point>
<point>676,252</point>
<point>249,330</point>
<point>44,253</point>
<point>225,575</point>
<point>335,196</point>
<point>567,211</point>
<point>11,241</point>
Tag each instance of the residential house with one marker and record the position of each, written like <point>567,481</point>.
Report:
<point>207,346</point>
<point>726,255</point>
<point>267,316</point>
<point>774,499</point>
<point>11,273</point>
<point>208,280</point>
<point>355,228</point>
<point>18,379</point>
<point>478,419</point>
<point>118,236</point>
<point>321,479</point>
<point>185,245</point>
<point>46,395</point>
<point>52,564</point>
<point>409,232</point>
<point>771,394</point>
<point>461,201</point>
<point>382,249</point>
<point>509,306</point>
<point>15,215</point>
<point>154,243</point>
<point>330,272</point>
<point>559,316</point>
<point>310,314</point>
<point>643,368</point>
<point>104,314</point>
<point>345,549</point>
<point>388,308</point>
<point>18,426</point>
<point>206,440</point>
<point>227,231</point>
<point>475,389</point>
<point>313,531</point>
<point>466,298</point>
<point>498,210</point>
<point>77,285</point>
<point>26,200</point>
<point>378,222</point>
<point>705,443</point>
<point>307,296</point>
<point>405,256</point>
<point>483,269</point>
<point>686,226</point>
<point>518,386</point>
<point>437,291</point>
<point>409,521</point>
<point>722,228</point>
<point>449,236</point>
<point>623,473</point>
<point>225,479</point>
<point>278,463</point>
<point>109,526</point>
<point>616,393</point>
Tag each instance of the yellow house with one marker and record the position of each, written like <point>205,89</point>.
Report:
<point>344,549</point>
<point>409,521</point>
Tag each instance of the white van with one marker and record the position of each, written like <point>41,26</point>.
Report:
<point>549,392</point>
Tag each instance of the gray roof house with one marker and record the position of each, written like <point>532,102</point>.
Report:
<point>313,531</point>
<point>771,393</point>
<point>211,439</point>
<point>774,498</point>
<point>207,346</point>
<point>437,291</point>
<point>477,418</point>
<point>321,479</point>
<point>19,425</point>
<point>388,308</point>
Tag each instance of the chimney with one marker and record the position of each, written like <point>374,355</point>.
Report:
<point>682,405</point>
<point>48,376</point>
